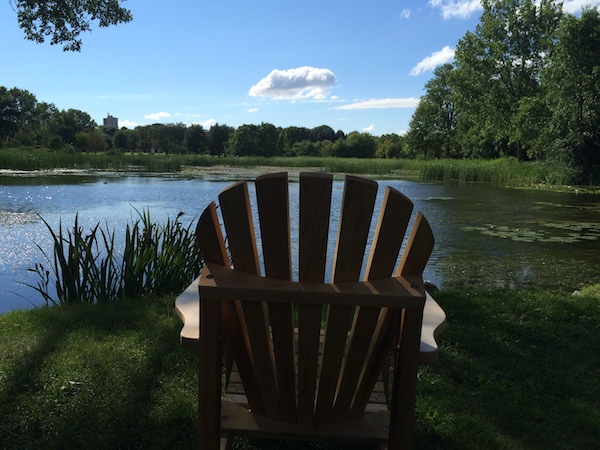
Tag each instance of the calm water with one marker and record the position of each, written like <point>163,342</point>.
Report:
<point>485,236</point>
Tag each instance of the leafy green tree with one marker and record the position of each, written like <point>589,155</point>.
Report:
<point>421,135</point>
<point>323,133</point>
<point>390,146</point>
<point>121,140</point>
<point>92,141</point>
<point>433,128</point>
<point>71,122</point>
<point>144,141</point>
<point>63,21</point>
<point>9,115</point>
<point>196,139</point>
<point>217,137</point>
<point>497,65</point>
<point>304,148</point>
<point>20,116</point>
<point>356,145</point>
<point>254,140</point>
<point>292,135</point>
<point>268,140</point>
<point>573,85</point>
<point>170,138</point>
<point>244,141</point>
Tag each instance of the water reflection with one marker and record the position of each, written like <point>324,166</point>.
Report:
<point>485,236</point>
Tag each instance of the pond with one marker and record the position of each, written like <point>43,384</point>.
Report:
<point>485,235</point>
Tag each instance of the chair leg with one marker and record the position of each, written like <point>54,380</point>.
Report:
<point>226,443</point>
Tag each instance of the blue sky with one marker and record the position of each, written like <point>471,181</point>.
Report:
<point>355,66</point>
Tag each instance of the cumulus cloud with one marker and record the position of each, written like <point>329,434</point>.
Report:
<point>457,9</point>
<point>157,116</point>
<point>435,59</point>
<point>298,83</point>
<point>575,6</point>
<point>206,124</point>
<point>382,103</point>
<point>253,110</point>
<point>127,124</point>
<point>405,14</point>
<point>369,129</point>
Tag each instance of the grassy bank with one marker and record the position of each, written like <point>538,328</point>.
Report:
<point>516,370</point>
<point>501,171</point>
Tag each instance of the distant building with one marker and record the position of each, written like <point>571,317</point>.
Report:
<point>111,122</point>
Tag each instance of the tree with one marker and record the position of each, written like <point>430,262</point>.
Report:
<point>9,115</point>
<point>432,129</point>
<point>421,136</point>
<point>323,133</point>
<point>196,139</point>
<point>121,140</point>
<point>217,137</point>
<point>292,135</point>
<point>356,145</point>
<point>71,122</point>
<point>499,64</point>
<point>573,85</point>
<point>63,21</point>
<point>254,140</point>
<point>244,141</point>
<point>390,146</point>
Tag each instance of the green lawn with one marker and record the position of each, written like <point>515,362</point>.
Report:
<point>516,370</point>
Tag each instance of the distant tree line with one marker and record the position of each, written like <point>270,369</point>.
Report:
<point>525,83</point>
<point>26,122</point>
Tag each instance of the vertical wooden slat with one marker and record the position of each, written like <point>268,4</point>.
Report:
<point>209,349</point>
<point>315,206</point>
<point>418,248</point>
<point>355,219</point>
<point>273,211</point>
<point>210,358</point>
<point>393,220</point>
<point>414,258</point>
<point>209,238</point>
<point>237,218</point>
<point>396,210</point>
<point>404,389</point>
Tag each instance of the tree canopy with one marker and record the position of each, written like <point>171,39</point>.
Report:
<point>525,84</point>
<point>62,21</point>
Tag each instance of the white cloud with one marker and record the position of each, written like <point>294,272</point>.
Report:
<point>301,82</point>
<point>206,124</point>
<point>405,14</point>
<point>436,59</point>
<point>157,116</point>
<point>575,6</point>
<point>457,9</point>
<point>383,103</point>
<point>128,124</point>
<point>253,110</point>
<point>369,129</point>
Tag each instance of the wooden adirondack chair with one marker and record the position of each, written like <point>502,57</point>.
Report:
<point>309,359</point>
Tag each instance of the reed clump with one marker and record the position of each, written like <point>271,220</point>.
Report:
<point>86,267</point>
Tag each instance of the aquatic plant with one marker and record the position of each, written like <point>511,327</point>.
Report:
<point>566,233</point>
<point>85,267</point>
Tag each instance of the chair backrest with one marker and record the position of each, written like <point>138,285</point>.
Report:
<point>310,363</point>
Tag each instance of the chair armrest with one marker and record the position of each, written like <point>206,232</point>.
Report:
<point>221,283</point>
<point>434,322</point>
<point>187,308</point>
